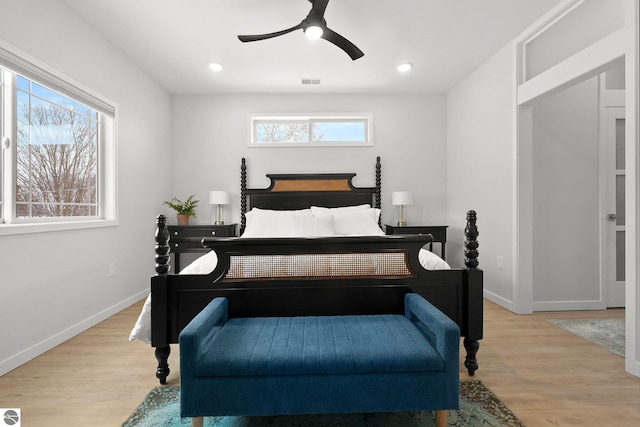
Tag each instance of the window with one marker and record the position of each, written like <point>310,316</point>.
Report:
<point>3,142</point>
<point>311,131</point>
<point>57,155</point>
<point>58,152</point>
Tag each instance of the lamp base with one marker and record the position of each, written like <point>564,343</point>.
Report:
<point>219,223</point>
<point>402,223</point>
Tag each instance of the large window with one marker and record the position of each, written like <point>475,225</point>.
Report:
<point>311,130</point>
<point>58,151</point>
<point>3,145</point>
<point>57,156</point>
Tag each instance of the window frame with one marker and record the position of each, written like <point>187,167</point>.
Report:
<point>310,118</point>
<point>4,144</point>
<point>19,63</point>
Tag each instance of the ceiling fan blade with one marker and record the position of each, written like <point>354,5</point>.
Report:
<point>268,36</point>
<point>318,7</point>
<point>344,44</point>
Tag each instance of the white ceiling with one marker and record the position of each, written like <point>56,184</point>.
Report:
<point>175,40</point>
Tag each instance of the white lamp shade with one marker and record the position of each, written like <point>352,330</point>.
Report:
<point>219,197</point>
<point>401,198</point>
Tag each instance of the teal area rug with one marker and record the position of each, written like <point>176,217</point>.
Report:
<point>607,333</point>
<point>479,407</point>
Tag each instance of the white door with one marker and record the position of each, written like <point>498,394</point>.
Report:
<point>612,163</point>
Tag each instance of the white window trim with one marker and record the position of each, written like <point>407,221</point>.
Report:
<point>108,193</point>
<point>310,117</point>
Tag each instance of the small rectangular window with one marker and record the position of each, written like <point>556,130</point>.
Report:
<point>311,130</point>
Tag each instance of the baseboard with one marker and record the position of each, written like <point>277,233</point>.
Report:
<point>501,301</point>
<point>632,367</point>
<point>568,305</point>
<point>31,353</point>
<point>547,305</point>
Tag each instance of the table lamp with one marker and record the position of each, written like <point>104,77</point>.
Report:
<point>219,198</point>
<point>402,199</point>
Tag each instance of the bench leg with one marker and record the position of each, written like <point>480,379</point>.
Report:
<point>441,418</point>
<point>197,422</point>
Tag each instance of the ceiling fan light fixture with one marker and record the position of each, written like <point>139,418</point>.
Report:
<point>315,27</point>
<point>404,67</point>
<point>313,32</point>
<point>215,67</point>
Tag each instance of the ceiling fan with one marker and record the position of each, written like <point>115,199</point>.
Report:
<point>314,26</point>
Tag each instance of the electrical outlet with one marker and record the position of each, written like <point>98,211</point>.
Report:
<point>500,262</point>
<point>112,269</point>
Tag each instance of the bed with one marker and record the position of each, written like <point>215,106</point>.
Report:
<point>311,244</point>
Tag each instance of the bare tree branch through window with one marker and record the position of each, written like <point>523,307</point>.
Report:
<point>57,161</point>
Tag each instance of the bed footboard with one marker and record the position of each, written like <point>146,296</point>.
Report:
<point>315,276</point>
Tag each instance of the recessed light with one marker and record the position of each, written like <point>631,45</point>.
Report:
<point>215,67</point>
<point>403,68</point>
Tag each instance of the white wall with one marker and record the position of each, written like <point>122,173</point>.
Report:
<point>588,62</point>
<point>481,175</point>
<point>479,168</point>
<point>55,285</point>
<point>210,137</point>
<point>566,243</point>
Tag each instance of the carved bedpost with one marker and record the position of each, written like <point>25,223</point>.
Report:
<point>243,195</point>
<point>162,356</point>
<point>162,246</point>
<point>378,188</point>
<point>471,241</point>
<point>162,269</point>
<point>474,276</point>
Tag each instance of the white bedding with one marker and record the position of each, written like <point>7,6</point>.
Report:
<point>349,221</point>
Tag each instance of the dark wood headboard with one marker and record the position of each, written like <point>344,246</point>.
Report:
<point>301,191</point>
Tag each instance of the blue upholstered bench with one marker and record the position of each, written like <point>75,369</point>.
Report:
<point>319,364</point>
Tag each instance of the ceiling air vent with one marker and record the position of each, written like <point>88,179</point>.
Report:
<point>310,81</point>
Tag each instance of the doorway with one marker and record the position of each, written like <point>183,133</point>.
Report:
<point>590,61</point>
<point>566,200</point>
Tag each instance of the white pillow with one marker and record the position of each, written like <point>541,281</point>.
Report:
<point>302,226</point>
<point>271,223</point>
<point>353,221</point>
<point>316,209</point>
<point>301,212</point>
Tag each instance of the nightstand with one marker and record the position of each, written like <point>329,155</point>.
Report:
<point>439,233</point>
<point>188,238</point>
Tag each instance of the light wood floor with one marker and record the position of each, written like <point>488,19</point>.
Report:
<point>547,376</point>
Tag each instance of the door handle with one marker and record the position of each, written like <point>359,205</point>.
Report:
<point>611,217</point>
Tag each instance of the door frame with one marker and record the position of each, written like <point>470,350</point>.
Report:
<point>621,45</point>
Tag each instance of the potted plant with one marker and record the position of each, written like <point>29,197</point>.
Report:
<point>185,209</point>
